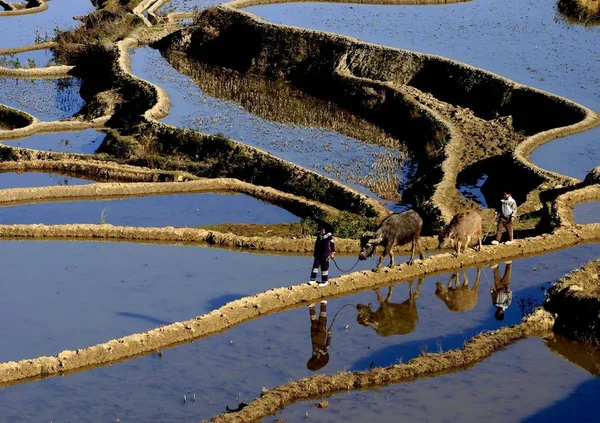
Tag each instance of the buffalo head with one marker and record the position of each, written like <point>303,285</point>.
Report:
<point>364,316</point>
<point>367,245</point>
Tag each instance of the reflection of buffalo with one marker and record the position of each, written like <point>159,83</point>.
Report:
<point>460,297</point>
<point>397,229</point>
<point>391,318</point>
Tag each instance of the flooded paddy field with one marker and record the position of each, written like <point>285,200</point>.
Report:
<point>275,349</point>
<point>155,211</point>
<point>38,179</point>
<point>82,142</point>
<point>45,99</point>
<point>29,29</point>
<point>82,293</point>
<point>369,168</point>
<point>537,49</point>
<point>516,384</point>
<point>587,212</point>
<point>28,59</point>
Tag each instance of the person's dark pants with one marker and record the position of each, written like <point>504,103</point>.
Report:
<point>322,262</point>
<point>505,223</point>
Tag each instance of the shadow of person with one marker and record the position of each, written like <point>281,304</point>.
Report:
<point>320,337</point>
<point>460,297</point>
<point>500,292</point>
<point>391,318</point>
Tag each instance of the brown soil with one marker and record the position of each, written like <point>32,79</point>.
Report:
<point>427,365</point>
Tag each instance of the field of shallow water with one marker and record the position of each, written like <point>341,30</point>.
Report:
<point>38,179</point>
<point>178,210</point>
<point>81,293</point>
<point>274,349</point>
<point>532,45</point>
<point>587,212</point>
<point>28,29</point>
<point>82,142</point>
<point>45,99</point>
<point>525,382</point>
<point>28,59</point>
<point>324,151</point>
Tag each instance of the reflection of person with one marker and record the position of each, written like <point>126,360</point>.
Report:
<point>320,337</point>
<point>324,248</point>
<point>501,293</point>
<point>506,216</point>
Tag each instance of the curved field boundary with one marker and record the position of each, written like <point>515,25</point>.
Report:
<point>562,208</point>
<point>239,4</point>
<point>30,47</point>
<point>274,300</point>
<point>56,126</point>
<point>47,72</point>
<point>292,203</point>
<point>428,365</point>
<point>41,6</point>
<point>522,154</point>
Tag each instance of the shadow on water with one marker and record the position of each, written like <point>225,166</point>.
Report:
<point>577,406</point>
<point>144,317</point>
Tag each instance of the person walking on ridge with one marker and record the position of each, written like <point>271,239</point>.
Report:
<point>506,216</point>
<point>324,248</point>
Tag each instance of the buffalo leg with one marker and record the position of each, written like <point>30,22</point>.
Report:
<point>389,295</point>
<point>457,249</point>
<point>380,261</point>
<point>391,257</point>
<point>412,251</point>
<point>467,243</point>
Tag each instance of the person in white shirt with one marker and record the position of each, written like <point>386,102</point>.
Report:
<point>506,216</point>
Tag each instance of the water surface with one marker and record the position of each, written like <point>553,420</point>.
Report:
<point>587,212</point>
<point>82,142</point>
<point>81,293</point>
<point>38,179</point>
<point>177,210</point>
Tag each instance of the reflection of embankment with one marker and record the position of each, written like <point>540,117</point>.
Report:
<point>414,97</point>
<point>252,307</point>
<point>277,101</point>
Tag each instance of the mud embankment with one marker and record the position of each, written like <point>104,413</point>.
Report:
<point>575,303</point>
<point>369,80</point>
<point>295,205</point>
<point>427,365</point>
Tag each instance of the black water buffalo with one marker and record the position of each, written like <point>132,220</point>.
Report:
<point>397,229</point>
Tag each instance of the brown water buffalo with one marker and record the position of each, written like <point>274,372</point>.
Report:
<point>460,297</point>
<point>397,229</point>
<point>391,318</point>
<point>461,229</point>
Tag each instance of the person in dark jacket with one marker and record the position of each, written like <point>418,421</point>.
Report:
<point>320,337</point>
<point>324,248</point>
